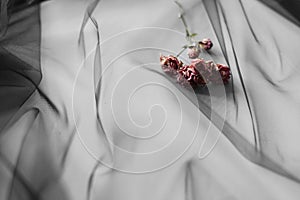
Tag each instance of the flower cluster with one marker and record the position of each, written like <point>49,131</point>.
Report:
<point>199,72</point>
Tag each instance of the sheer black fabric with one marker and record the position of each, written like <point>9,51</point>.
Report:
<point>222,25</point>
<point>22,101</point>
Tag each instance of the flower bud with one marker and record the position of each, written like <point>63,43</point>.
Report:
<point>206,44</point>
<point>193,52</point>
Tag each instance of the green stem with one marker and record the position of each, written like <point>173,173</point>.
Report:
<point>181,16</point>
<point>182,50</point>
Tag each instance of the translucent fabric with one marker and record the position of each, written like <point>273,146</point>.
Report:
<point>87,113</point>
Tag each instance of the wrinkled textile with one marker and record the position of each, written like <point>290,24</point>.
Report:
<point>86,111</point>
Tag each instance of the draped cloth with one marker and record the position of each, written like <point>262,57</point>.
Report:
<point>87,113</point>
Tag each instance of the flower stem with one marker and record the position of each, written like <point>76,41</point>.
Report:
<point>181,16</point>
<point>182,50</point>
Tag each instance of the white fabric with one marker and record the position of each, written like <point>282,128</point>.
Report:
<point>133,34</point>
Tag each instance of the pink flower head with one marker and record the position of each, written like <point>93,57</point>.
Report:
<point>206,44</point>
<point>170,64</point>
<point>189,74</point>
<point>193,52</point>
<point>220,74</point>
<point>225,72</point>
<point>199,64</point>
<point>202,68</point>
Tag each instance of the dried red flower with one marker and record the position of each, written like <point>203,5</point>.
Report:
<point>220,74</point>
<point>225,72</point>
<point>202,67</point>
<point>191,75</point>
<point>206,44</point>
<point>170,64</point>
